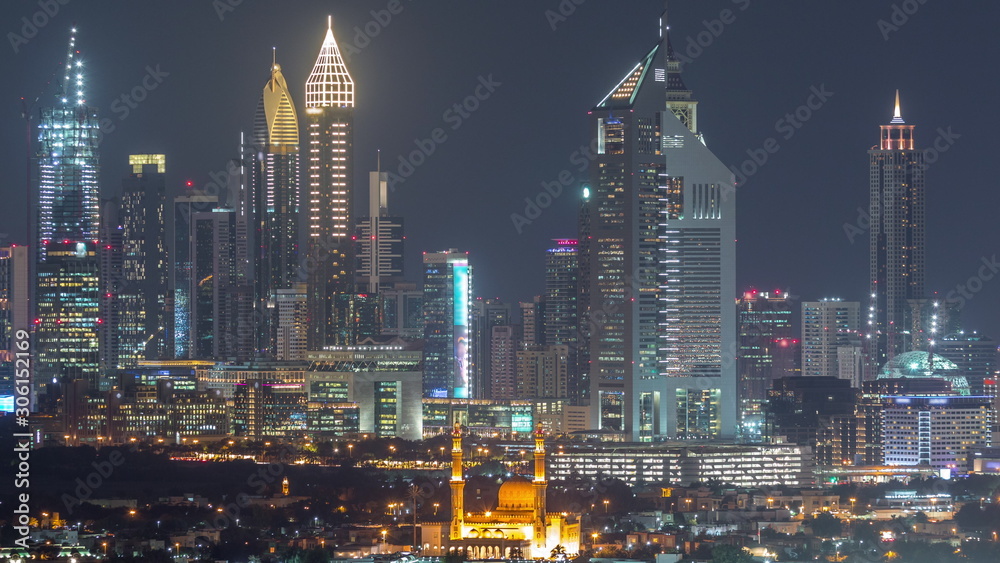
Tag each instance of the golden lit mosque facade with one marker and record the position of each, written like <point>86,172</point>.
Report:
<point>519,523</point>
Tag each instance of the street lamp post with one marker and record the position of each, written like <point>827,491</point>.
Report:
<point>606,502</point>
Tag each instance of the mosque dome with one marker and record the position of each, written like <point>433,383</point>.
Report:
<point>516,494</point>
<point>922,365</point>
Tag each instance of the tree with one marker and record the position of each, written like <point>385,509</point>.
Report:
<point>558,552</point>
<point>731,554</point>
<point>826,525</point>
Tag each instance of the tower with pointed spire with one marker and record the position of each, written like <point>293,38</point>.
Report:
<point>277,198</point>
<point>457,485</point>
<point>660,262</point>
<point>67,297</point>
<point>329,201</point>
<point>896,240</point>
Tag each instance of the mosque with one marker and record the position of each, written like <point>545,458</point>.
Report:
<point>518,526</point>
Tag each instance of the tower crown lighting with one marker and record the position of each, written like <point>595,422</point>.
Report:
<point>329,85</point>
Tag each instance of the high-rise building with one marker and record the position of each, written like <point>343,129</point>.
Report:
<point>292,319</point>
<point>764,322</point>
<point>533,322</point>
<point>380,240</point>
<point>67,297</point>
<point>14,292</point>
<point>110,258</point>
<point>662,262</point>
<point>447,296</point>
<point>402,308</point>
<point>826,326</point>
<point>181,275</point>
<point>141,290</point>
<point>542,372</point>
<point>211,251</point>
<point>897,239</point>
<point>502,384</point>
<point>974,354</point>
<point>940,432</point>
<point>561,308</point>
<point>486,314</point>
<point>276,174</point>
<point>329,224</point>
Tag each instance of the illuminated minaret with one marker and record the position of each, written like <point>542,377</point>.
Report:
<point>457,485</point>
<point>897,239</point>
<point>276,135</point>
<point>540,485</point>
<point>67,298</point>
<point>329,213</point>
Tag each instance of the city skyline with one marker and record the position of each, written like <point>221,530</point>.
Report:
<point>838,265</point>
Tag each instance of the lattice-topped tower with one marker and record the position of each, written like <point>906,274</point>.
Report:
<point>329,202</point>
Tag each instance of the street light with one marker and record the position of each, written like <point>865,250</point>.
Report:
<point>350,450</point>
<point>853,500</point>
<point>606,502</point>
<point>436,505</point>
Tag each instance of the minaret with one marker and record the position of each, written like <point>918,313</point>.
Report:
<point>329,213</point>
<point>897,239</point>
<point>540,485</point>
<point>457,485</point>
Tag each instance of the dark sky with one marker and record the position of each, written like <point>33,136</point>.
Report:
<point>760,66</point>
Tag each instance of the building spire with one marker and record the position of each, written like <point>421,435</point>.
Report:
<point>73,78</point>
<point>897,116</point>
<point>330,84</point>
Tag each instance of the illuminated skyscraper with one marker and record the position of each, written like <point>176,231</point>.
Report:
<point>561,308</point>
<point>764,322</point>
<point>897,239</point>
<point>141,288</point>
<point>182,273</point>
<point>276,134</point>
<point>380,240</point>
<point>826,326</point>
<point>447,291</point>
<point>328,207</point>
<point>661,325</point>
<point>67,302</point>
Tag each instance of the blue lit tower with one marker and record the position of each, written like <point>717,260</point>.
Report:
<point>447,291</point>
<point>661,251</point>
<point>67,297</point>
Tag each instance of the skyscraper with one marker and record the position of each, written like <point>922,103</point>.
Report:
<point>826,326</point>
<point>276,134</point>
<point>447,292</point>
<point>764,323</point>
<point>897,239</point>
<point>181,275</point>
<point>485,315</point>
<point>561,309</point>
<point>211,251</point>
<point>67,302</point>
<point>380,240</point>
<point>330,169</point>
<point>142,287</point>
<point>662,262</point>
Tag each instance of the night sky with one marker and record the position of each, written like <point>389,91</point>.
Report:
<point>432,54</point>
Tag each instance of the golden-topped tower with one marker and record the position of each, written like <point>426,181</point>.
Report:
<point>457,485</point>
<point>540,484</point>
